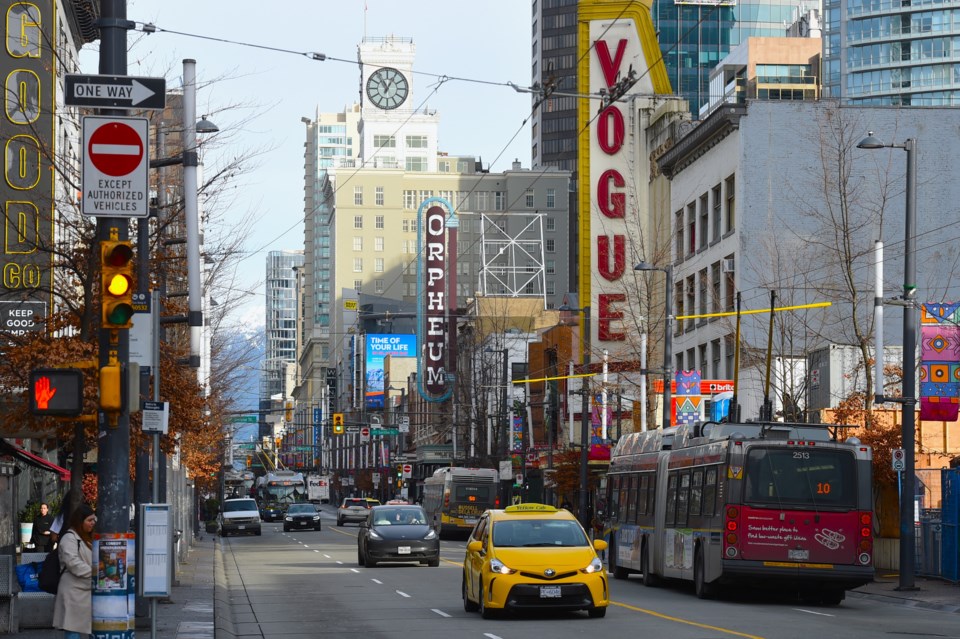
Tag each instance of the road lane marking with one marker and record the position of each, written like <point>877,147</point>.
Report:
<point>402,594</point>
<point>377,581</point>
<point>305,546</point>
<point>355,570</point>
<point>340,562</point>
<point>324,554</point>
<point>318,551</point>
<point>491,635</point>
<point>452,563</point>
<point>814,612</point>
<point>440,612</point>
<point>685,621</point>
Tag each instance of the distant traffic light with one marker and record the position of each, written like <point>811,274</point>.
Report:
<point>116,283</point>
<point>338,423</point>
<point>56,392</point>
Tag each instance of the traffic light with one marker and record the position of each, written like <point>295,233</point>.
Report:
<point>116,283</point>
<point>399,472</point>
<point>56,391</point>
<point>338,423</point>
<point>111,389</point>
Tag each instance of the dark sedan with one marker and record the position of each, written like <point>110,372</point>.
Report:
<point>271,511</point>
<point>397,534</point>
<point>300,516</point>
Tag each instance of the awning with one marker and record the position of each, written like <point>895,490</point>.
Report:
<point>6,448</point>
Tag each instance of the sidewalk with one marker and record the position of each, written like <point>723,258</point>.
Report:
<point>931,594</point>
<point>188,613</point>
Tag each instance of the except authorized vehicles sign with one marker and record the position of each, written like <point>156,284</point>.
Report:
<point>115,167</point>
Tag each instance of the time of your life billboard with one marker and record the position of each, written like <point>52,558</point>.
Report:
<point>377,348</point>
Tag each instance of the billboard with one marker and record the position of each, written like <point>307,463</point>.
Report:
<point>377,347</point>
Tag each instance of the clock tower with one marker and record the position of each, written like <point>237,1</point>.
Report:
<point>395,130</point>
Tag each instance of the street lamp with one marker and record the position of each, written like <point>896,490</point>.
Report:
<point>667,335</point>
<point>908,400</point>
<point>584,416</point>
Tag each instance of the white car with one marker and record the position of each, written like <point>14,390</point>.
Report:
<point>240,516</point>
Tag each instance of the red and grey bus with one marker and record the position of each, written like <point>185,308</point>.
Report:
<point>768,504</point>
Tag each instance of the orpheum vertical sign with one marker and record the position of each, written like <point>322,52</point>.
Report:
<point>26,128</point>
<point>614,37</point>
<point>434,311</point>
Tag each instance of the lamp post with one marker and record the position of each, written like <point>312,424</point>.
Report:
<point>908,400</point>
<point>667,334</point>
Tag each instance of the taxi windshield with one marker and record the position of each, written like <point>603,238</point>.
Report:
<point>532,533</point>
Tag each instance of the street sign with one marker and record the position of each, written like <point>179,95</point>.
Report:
<point>354,429</point>
<point>115,91</point>
<point>156,417</point>
<point>243,419</point>
<point>384,431</point>
<point>364,434</point>
<point>317,416</point>
<point>115,166</point>
<point>899,460</point>
<point>404,423</point>
<point>407,471</point>
<point>376,478</point>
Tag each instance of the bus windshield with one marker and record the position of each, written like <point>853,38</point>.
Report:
<point>810,478</point>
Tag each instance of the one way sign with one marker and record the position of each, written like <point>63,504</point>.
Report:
<point>115,91</point>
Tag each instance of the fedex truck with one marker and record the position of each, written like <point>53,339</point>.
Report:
<point>318,488</point>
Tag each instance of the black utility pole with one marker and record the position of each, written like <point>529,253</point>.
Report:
<point>113,456</point>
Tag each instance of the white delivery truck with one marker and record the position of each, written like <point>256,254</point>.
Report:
<point>318,488</point>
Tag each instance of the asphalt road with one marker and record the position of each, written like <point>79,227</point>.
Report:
<point>308,584</point>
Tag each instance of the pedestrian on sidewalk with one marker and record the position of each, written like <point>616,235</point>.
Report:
<point>72,610</point>
<point>41,529</point>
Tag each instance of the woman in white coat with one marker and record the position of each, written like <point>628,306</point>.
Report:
<point>72,611</point>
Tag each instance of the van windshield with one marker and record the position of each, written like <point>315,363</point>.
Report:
<point>238,505</point>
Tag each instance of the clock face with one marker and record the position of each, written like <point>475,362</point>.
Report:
<point>387,88</point>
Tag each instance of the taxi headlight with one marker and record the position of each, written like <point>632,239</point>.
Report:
<point>498,567</point>
<point>595,566</point>
<point>431,534</point>
<point>288,518</point>
<point>375,535</point>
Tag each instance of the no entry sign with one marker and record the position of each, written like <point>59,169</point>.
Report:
<point>115,167</point>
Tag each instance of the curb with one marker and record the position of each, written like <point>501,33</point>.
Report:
<point>909,603</point>
<point>222,613</point>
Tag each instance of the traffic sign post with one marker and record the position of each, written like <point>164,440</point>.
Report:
<point>898,457</point>
<point>115,91</point>
<point>115,163</point>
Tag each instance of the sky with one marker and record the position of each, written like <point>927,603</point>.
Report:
<point>257,96</point>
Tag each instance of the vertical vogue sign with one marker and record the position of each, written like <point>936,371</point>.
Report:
<point>29,68</point>
<point>435,309</point>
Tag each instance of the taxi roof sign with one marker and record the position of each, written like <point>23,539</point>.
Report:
<point>531,508</point>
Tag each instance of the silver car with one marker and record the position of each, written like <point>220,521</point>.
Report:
<point>355,509</point>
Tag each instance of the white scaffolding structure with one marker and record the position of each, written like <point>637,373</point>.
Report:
<point>512,265</point>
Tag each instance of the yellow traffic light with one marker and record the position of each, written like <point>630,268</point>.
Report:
<point>338,423</point>
<point>111,393</point>
<point>116,283</point>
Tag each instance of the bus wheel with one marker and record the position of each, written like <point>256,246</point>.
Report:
<point>619,572</point>
<point>649,579</point>
<point>468,606</point>
<point>832,597</point>
<point>700,585</point>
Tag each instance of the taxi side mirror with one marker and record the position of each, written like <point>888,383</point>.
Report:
<point>599,545</point>
<point>475,546</point>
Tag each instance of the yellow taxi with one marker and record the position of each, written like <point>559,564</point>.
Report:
<point>533,557</point>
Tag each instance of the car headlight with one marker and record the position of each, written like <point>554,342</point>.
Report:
<point>595,566</point>
<point>374,534</point>
<point>431,534</point>
<point>499,567</point>
<point>316,517</point>
<point>288,518</point>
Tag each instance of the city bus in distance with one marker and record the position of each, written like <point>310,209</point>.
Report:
<point>282,486</point>
<point>775,505</point>
<point>454,498</point>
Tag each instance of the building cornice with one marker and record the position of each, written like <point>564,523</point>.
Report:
<point>710,132</point>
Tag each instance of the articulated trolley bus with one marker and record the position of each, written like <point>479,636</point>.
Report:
<point>454,498</point>
<point>776,505</point>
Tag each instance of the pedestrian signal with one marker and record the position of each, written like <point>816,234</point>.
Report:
<point>56,391</point>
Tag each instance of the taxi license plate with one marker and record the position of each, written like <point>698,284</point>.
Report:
<point>801,555</point>
<point>403,550</point>
<point>549,592</point>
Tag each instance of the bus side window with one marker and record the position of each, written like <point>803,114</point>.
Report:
<point>696,492</point>
<point>710,492</point>
<point>683,499</point>
<point>642,495</point>
<point>671,499</point>
<point>631,501</point>
<point>613,490</point>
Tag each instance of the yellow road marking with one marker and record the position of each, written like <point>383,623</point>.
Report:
<point>684,621</point>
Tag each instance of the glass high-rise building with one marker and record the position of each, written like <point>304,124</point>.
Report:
<point>280,346</point>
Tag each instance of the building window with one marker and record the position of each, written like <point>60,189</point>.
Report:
<point>691,224</point>
<point>416,141</point>
<point>499,201</point>
<point>416,164</point>
<point>551,198</point>
<point>551,267</point>
<point>443,166</point>
<point>357,284</point>
<point>378,222</point>
<point>715,287</point>
<point>379,196</point>
<point>358,221</point>
<point>463,166</point>
<point>358,265</point>
<point>678,231</point>
<point>384,141</point>
<point>357,243</point>
<point>378,265</point>
<point>730,213</point>
<point>378,244</point>
<point>691,303</point>
<point>715,217</point>
<point>378,286</point>
<point>409,226</point>
<point>423,196</point>
<point>483,199</point>
<point>704,287</point>
<point>729,341</point>
<point>550,223</point>
<point>730,293</point>
<point>550,245</point>
<point>704,220</point>
<point>409,199</point>
<point>528,198</point>
<point>715,359</point>
<point>447,195</point>
<point>358,195</point>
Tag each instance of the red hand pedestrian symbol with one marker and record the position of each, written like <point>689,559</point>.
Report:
<point>43,393</point>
